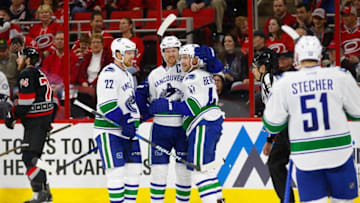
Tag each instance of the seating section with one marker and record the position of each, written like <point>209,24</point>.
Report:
<point>82,16</point>
<point>153,14</point>
<point>203,17</point>
<point>122,14</point>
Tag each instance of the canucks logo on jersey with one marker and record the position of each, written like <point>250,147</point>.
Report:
<point>130,103</point>
<point>171,93</point>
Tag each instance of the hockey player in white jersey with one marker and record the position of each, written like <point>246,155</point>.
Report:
<point>202,117</point>
<point>118,146</point>
<point>165,82</point>
<point>315,103</point>
<point>5,102</point>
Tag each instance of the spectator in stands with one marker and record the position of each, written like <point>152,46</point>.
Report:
<point>97,24</point>
<point>301,31</point>
<point>58,10</point>
<point>220,84</point>
<point>20,42</point>
<point>350,34</point>
<point>286,62</point>
<point>320,28</point>
<point>280,11</point>
<point>8,30</point>
<point>303,17</point>
<point>84,46</point>
<point>53,66</point>
<point>18,11</point>
<point>235,64</point>
<point>278,40</point>
<point>127,31</point>
<point>94,61</point>
<point>259,47</point>
<point>241,32</point>
<point>8,64</point>
<point>169,4</point>
<point>44,32</point>
<point>197,5</point>
<point>84,6</point>
<point>330,60</point>
<point>356,4</point>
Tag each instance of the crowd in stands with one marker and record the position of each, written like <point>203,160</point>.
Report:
<point>91,51</point>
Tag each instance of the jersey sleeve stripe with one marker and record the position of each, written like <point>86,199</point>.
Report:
<point>352,117</point>
<point>108,106</point>
<point>274,128</point>
<point>320,144</point>
<point>27,95</point>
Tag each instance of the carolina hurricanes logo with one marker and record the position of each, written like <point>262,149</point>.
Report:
<point>278,47</point>
<point>351,46</point>
<point>45,40</point>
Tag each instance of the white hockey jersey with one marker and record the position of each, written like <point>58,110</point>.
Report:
<point>115,89</point>
<point>4,85</point>
<point>4,89</point>
<point>166,83</point>
<point>201,97</point>
<point>316,103</point>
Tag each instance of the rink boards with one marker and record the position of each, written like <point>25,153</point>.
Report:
<point>244,174</point>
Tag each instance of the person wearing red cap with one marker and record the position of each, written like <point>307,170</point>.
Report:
<point>350,34</point>
<point>320,28</point>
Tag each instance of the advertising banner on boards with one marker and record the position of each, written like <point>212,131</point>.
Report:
<point>244,165</point>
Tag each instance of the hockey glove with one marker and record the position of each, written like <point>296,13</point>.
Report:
<point>10,120</point>
<point>207,54</point>
<point>128,127</point>
<point>159,106</point>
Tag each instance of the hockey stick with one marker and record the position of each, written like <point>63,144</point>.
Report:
<point>165,24</point>
<point>47,167</point>
<point>26,144</point>
<point>290,31</point>
<point>288,183</point>
<point>83,106</point>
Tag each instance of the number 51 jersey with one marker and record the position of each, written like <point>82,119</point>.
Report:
<point>316,103</point>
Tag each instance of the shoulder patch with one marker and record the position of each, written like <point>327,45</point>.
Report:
<point>190,77</point>
<point>109,69</point>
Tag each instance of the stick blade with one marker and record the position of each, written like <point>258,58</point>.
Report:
<point>44,165</point>
<point>165,24</point>
<point>290,31</point>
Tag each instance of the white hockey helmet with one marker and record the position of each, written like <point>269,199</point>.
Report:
<point>170,42</point>
<point>122,45</point>
<point>189,49</point>
<point>308,48</point>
